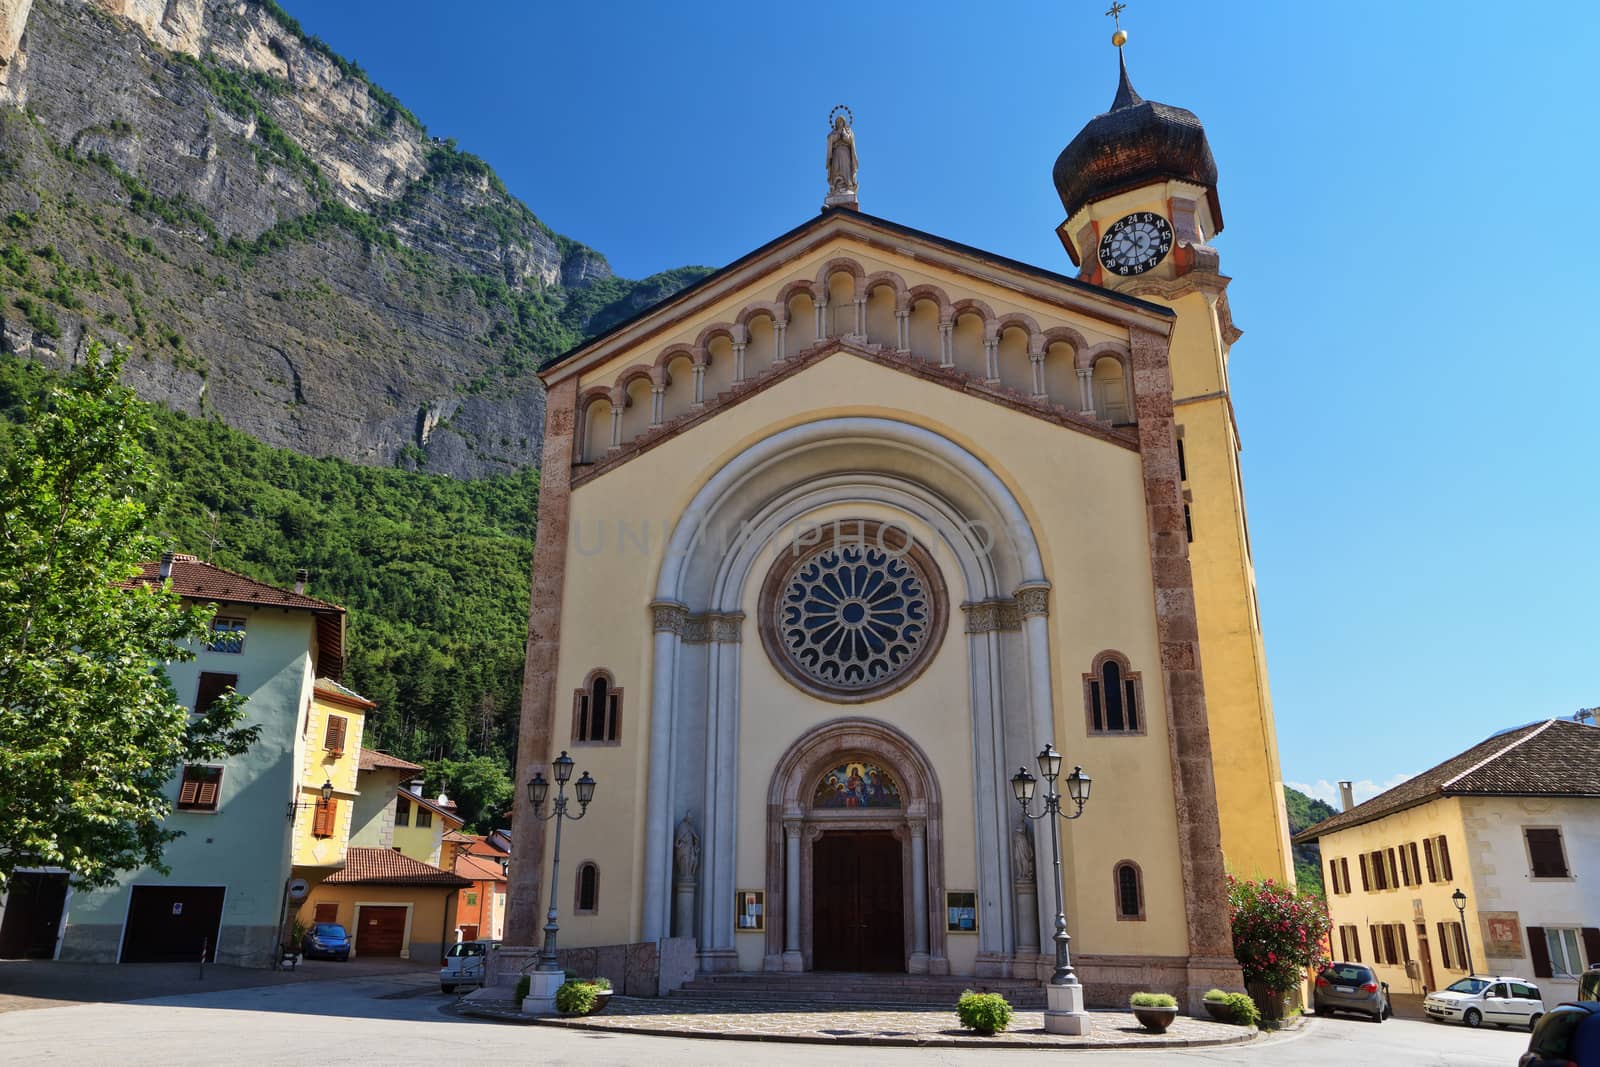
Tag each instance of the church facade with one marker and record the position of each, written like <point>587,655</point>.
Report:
<point>833,542</point>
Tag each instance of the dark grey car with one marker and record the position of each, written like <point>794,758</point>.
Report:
<point>1350,987</point>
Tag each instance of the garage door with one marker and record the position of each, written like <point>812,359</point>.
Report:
<point>33,916</point>
<point>380,931</point>
<point>172,923</point>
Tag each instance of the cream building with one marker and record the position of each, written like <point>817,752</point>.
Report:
<point>835,540</point>
<point>1513,823</point>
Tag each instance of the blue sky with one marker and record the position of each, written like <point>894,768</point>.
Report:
<point>1410,213</point>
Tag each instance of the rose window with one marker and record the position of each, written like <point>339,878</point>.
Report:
<point>855,617</point>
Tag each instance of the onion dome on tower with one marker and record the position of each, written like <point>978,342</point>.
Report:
<point>1137,142</point>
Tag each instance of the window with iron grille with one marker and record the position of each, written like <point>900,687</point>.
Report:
<point>1130,891</point>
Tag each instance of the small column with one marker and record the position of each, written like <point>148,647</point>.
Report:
<point>918,964</point>
<point>657,392</point>
<point>821,308</point>
<point>738,361</point>
<point>1036,359</point>
<point>991,360</point>
<point>902,330</point>
<point>861,317</point>
<point>781,331</point>
<point>1086,391</point>
<point>699,385</point>
<point>947,356</point>
<point>616,425</point>
<point>792,959</point>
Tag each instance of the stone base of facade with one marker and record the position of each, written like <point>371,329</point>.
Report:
<point>719,961</point>
<point>995,965</point>
<point>641,969</point>
<point>1108,981</point>
<point>237,946</point>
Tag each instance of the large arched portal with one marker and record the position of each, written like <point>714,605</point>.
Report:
<point>855,853</point>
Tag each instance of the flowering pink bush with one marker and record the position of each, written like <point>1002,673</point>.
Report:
<point>1277,933</point>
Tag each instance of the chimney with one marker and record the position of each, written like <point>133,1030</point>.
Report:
<point>166,565</point>
<point>300,577</point>
<point>1347,796</point>
<point>415,787</point>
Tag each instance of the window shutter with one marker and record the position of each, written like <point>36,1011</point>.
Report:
<point>323,824</point>
<point>1405,867</point>
<point>1394,871</point>
<point>333,740</point>
<point>1416,866</point>
<point>1460,938</point>
<point>1444,948</point>
<point>1333,876</point>
<point>188,792</point>
<point>211,688</point>
<point>1444,858</point>
<point>1544,850</point>
<point>1591,945</point>
<point>1344,869</point>
<point>1366,887</point>
<point>208,795</point>
<point>1388,944</point>
<point>1377,946</point>
<point>1405,943</point>
<point>1427,853</point>
<point>1355,941</point>
<point>327,912</point>
<point>1540,951</point>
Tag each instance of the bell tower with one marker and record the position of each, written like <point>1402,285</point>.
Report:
<point>1139,186</point>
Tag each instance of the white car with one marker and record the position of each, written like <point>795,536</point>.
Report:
<point>1478,1000</point>
<point>464,964</point>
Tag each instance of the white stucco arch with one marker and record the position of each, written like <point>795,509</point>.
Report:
<point>711,557</point>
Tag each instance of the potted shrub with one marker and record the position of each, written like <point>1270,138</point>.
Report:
<point>1277,934</point>
<point>1155,1011</point>
<point>583,998</point>
<point>985,1014</point>
<point>1236,1008</point>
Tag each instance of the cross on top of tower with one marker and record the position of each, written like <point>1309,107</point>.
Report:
<point>1119,36</point>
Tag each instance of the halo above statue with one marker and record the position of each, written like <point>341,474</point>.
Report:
<point>849,116</point>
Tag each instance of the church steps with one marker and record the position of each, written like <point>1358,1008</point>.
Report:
<point>863,990</point>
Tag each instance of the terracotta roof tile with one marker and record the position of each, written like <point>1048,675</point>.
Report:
<point>479,868</point>
<point>373,760</point>
<point>1557,757</point>
<point>382,866</point>
<point>327,687</point>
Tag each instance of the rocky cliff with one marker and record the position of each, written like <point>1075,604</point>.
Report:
<point>279,240</point>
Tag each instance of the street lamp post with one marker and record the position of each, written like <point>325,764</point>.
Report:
<point>1459,899</point>
<point>538,790</point>
<point>1065,993</point>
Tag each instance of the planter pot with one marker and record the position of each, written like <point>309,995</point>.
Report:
<point>1268,1001</point>
<point>1156,1019</point>
<point>1221,1011</point>
<point>601,999</point>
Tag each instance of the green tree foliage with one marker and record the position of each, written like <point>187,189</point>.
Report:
<point>480,786</point>
<point>90,729</point>
<point>1305,811</point>
<point>433,571</point>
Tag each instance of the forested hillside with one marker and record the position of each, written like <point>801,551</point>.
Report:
<point>433,570</point>
<point>1306,811</point>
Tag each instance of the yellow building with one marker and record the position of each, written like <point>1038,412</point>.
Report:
<point>1513,825</point>
<point>835,540</point>
<point>328,779</point>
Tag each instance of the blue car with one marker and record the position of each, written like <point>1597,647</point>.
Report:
<point>326,940</point>
<point>1568,1036</point>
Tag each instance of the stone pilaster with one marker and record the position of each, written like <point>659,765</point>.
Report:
<point>1177,631</point>
<point>525,891</point>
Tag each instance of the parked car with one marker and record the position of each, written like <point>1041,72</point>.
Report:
<point>327,940</point>
<point>1351,987</point>
<point>1477,1000</point>
<point>1569,1036</point>
<point>1589,983</point>
<point>464,964</point>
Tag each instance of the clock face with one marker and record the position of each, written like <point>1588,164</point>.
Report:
<point>1135,243</point>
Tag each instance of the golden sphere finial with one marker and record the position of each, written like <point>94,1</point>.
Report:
<point>1119,38</point>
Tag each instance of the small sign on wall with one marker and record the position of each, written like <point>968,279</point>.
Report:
<point>750,907</point>
<point>961,911</point>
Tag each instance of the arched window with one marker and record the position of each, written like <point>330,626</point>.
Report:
<point>587,896</point>
<point>597,710</point>
<point>1130,892</point>
<point>1113,696</point>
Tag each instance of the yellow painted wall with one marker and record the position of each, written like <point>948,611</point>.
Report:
<point>1362,908</point>
<point>433,914</point>
<point>1244,740</point>
<point>422,842</point>
<point>323,766</point>
<point>1084,500</point>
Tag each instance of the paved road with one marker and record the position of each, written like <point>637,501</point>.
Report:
<point>401,1018</point>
